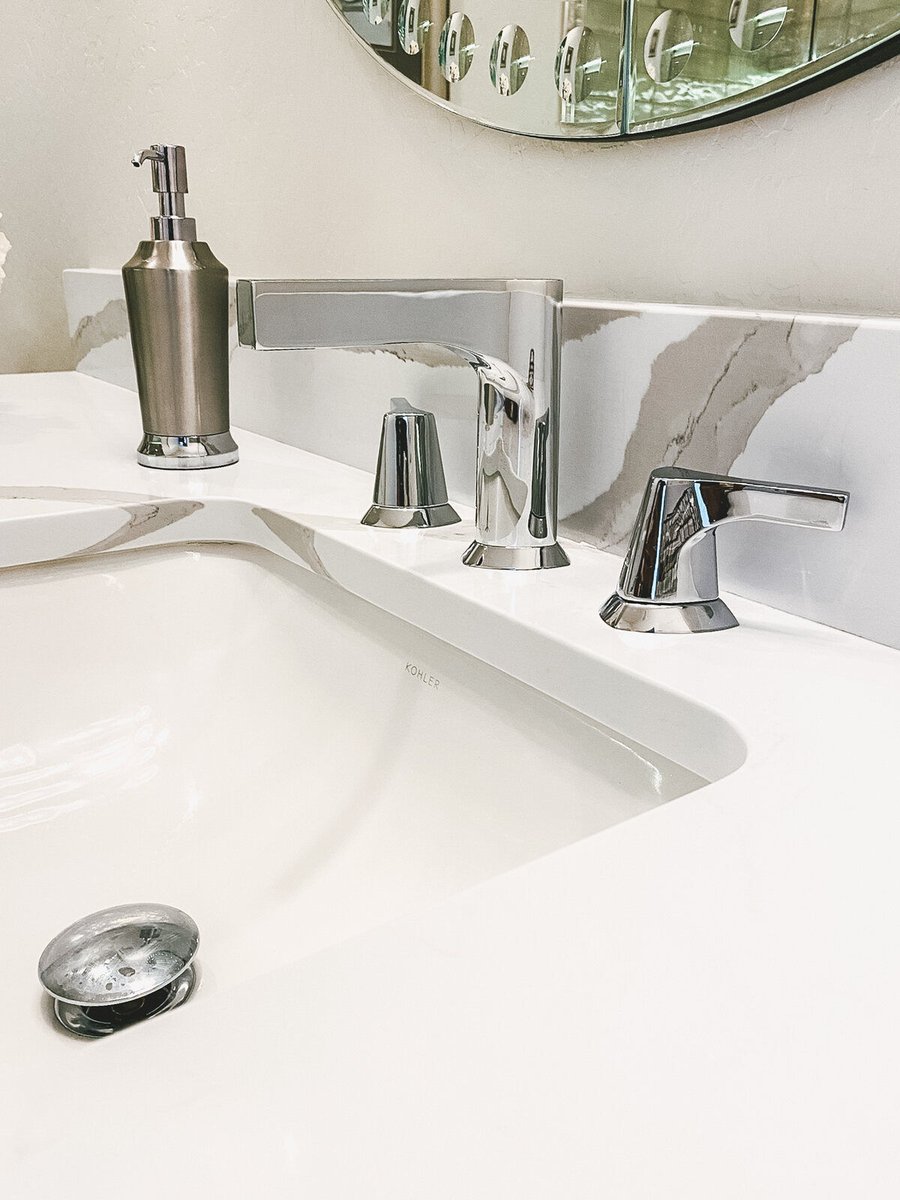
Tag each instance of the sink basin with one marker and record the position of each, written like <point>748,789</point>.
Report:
<point>222,731</point>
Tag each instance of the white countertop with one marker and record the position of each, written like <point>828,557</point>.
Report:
<point>701,1002</point>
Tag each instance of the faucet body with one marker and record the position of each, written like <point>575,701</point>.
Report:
<point>507,330</point>
<point>670,580</point>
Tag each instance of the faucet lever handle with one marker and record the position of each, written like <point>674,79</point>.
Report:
<point>729,498</point>
<point>670,579</point>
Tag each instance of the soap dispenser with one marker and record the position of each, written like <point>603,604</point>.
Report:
<point>176,291</point>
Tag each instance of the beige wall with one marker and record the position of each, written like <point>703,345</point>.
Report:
<point>307,159</point>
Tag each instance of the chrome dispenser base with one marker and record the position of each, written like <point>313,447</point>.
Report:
<point>512,558</point>
<point>706,616</point>
<point>430,516</point>
<point>194,453</point>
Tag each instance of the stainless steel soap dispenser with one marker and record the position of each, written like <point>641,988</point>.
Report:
<point>176,291</point>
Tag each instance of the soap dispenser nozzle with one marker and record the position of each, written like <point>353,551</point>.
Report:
<point>169,166</point>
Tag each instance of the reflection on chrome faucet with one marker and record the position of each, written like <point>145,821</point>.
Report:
<point>507,330</point>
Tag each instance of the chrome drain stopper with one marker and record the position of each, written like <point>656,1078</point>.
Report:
<point>119,966</point>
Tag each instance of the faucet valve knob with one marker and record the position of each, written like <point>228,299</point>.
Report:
<point>410,489</point>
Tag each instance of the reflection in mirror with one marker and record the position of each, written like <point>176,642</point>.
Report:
<point>510,59</point>
<point>376,11</point>
<point>668,45</point>
<point>457,48</point>
<point>578,66</point>
<point>560,71</point>
<point>753,24</point>
<point>413,24</point>
<point>610,68</point>
<point>719,71</point>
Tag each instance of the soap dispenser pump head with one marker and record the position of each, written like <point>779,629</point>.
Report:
<point>169,165</point>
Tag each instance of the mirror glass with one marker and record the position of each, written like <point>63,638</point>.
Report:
<point>619,68</point>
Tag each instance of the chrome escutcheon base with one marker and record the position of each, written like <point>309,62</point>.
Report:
<point>431,516</point>
<point>515,558</point>
<point>706,616</point>
<point>198,453</point>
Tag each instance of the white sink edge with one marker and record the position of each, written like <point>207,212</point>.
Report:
<point>553,665</point>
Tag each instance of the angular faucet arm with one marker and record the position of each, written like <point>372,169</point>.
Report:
<point>671,561</point>
<point>727,498</point>
<point>508,330</point>
<point>476,318</point>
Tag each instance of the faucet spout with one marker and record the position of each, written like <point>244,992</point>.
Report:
<point>507,330</point>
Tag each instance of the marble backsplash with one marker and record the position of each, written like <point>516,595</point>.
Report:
<point>797,398</point>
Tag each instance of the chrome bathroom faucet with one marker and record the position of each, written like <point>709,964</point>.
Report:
<point>508,330</point>
<point>670,581</point>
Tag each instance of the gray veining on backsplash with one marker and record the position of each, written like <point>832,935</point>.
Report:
<point>96,330</point>
<point>793,397</point>
<point>582,321</point>
<point>706,394</point>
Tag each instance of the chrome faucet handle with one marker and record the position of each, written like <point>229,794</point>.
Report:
<point>670,580</point>
<point>410,489</point>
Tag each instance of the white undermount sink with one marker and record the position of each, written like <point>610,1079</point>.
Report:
<point>219,730</point>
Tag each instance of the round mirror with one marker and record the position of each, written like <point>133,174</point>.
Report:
<point>607,69</point>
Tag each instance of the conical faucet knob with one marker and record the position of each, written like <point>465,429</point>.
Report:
<point>410,488</point>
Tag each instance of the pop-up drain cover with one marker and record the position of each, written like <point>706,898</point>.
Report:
<point>119,966</point>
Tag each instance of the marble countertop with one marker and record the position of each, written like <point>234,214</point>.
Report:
<point>700,1002</point>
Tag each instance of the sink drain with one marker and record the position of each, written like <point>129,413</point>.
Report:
<point>120,966</point>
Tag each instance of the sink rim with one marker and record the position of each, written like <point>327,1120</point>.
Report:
<point>135,524</point>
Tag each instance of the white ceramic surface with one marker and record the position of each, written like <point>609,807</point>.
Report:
<point>700,1001</point>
